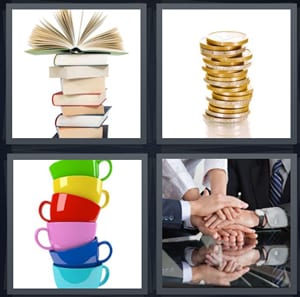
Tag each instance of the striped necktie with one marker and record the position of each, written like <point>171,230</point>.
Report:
<point>276,184</point>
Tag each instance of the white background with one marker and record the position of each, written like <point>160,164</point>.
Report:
<point>120,222</point>
<point>183,87</point>
<point>33,114</point>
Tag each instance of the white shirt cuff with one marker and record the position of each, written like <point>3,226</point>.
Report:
<point>276,217</point>
<point>186,214</point>
<point>188,251</point>
<point>187,273</point>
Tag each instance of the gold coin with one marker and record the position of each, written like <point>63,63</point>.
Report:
<point>205,45</point>
<point>228,110</point>
<point>222,73</point>
<point>211,62</point>
<point>227,38</point>
<point>245,56</point>
<point>226,116</point>
<point>228,84</point>
<point>215,54</point>
<point>230,62</point>
<point>231,98</point>
<point>222,120</point>
<point>217,78</point>
<point>228,104</point>
<point>221,90</point>
<point>248,91</point>
<point>229,68</point>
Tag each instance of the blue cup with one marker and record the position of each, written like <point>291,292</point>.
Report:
<point>83,256</point>
<point>92,277</point>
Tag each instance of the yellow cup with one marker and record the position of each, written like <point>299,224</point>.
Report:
<point>85,186</point>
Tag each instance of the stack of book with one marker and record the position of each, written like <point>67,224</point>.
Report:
<point>81,64</point>
<point>82,95</point>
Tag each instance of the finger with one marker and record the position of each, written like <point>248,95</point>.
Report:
<point>251,235</point>
<point>222,266</point>
<point>212,259</point>
<point>227,213</point>
<point>216,223</point>
<point>235,275</point>
<point>232,232</point>
<point>240,236</point>
<point>211,221</point>
<point>232,239</point>
<point>223,233</point>
<point>207,217</point>
<point>233,213</point>
<point>230,267</point>
<point>237,210</point>
<point>221,215</point>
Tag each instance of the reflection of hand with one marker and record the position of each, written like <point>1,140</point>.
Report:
<point>211,275</point>
<point>245,217</point>
<point>243,258</point>
<point>239,249</point>
<point>199,254</point>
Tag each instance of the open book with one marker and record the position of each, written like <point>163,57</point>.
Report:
<point>49,39</point>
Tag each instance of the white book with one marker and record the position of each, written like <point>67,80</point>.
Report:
<point>71,72</point>
<point>88,99</point>
<point>80,59</point>
<point>88,121</point>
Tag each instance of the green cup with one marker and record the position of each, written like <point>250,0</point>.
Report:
<point>80,167</point>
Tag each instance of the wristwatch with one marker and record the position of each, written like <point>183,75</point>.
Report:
<point>261,216</point>
<point>262,258</point>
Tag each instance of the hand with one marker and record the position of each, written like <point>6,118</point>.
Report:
<point>227,213</point>
<point>243,258</point>
<point>213,276</point>
<point>207,205</point>
<point>199,223</point>
<point>235,233</point>
<point>238,250</point>
<point>199,254</point>
<point>245,217</point>
<point>222,214</point>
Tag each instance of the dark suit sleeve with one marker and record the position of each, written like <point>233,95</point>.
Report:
<point>171,214</point>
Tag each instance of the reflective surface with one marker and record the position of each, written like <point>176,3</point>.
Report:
<point>264,262</point>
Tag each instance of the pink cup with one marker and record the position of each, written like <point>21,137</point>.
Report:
<point>66,235</point>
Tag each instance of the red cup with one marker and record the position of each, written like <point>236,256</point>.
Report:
<point>70,208</point>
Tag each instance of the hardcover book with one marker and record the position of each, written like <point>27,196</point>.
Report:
<point>87,99</point>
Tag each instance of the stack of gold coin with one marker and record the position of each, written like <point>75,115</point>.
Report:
<point>226,62</point>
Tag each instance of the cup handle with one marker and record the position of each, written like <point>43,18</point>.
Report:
<point>109,253</point>
<point>106,194</point>
<point>109,168</point>
<point>36,237</point>
<point>104,280</point>
<point>41,208</point>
